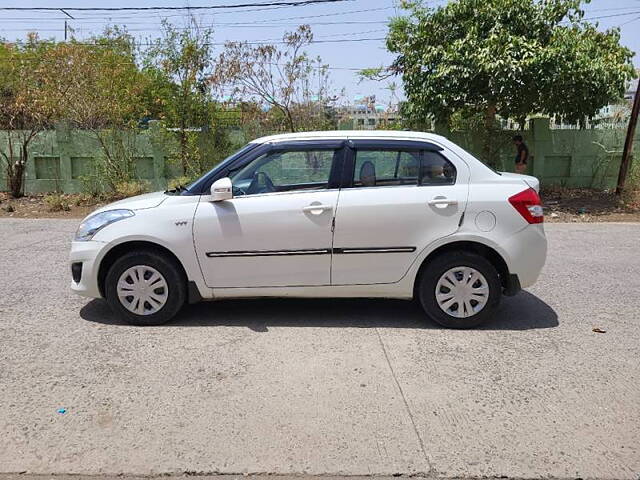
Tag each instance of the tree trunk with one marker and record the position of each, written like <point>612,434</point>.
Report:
<point>183,150</point>
<point>488,150</point>
<point>628,144</point>
<point>290,123</point>
<point>15,174</point>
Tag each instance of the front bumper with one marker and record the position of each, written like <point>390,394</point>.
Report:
<point>88,255</point>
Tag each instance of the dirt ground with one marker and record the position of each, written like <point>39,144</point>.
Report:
<point>584,205</point>
<point>561,205</point>
<point>35,206</point>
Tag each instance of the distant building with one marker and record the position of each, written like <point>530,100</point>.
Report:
<point>366,114</point>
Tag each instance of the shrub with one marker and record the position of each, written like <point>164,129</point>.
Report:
<point>177,182</point>
<point>631,193</point>
<point>57,202</point>
<point>86,199</point>
<point>130,189</point>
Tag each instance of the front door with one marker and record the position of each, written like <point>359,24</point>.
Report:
<point>277,230</point>
<point>400,198</point>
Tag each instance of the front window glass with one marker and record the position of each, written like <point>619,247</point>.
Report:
<point>201,183</point>
<point>282,171</point>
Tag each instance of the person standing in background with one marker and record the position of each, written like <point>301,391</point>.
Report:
<point>522,154</point>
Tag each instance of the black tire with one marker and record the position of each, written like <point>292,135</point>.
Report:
<point>172,273</point>
<point>436,268</point>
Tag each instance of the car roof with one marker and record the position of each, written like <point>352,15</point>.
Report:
<point>350,134</point>
<point>478,170</point>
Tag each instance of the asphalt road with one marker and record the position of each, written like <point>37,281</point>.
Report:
<point>349,387</point>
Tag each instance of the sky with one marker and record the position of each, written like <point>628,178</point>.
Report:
<point>362,23</point>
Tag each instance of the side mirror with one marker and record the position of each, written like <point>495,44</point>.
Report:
<point>221,190</point>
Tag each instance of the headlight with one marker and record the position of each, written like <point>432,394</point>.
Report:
<point>93,224</point>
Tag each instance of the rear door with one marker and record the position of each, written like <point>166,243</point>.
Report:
<point>397,197</point>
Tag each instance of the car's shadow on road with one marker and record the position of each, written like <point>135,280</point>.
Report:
<point>522,312</point>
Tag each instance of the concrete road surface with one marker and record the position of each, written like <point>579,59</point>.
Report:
<point>349,387</point>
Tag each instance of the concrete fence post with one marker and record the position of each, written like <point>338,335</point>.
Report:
<point>541,144</point>
<point>158,154</point>
<point>30,168</point>
<point>64,149</point>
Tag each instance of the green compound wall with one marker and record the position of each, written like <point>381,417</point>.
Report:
<point>64,160</point>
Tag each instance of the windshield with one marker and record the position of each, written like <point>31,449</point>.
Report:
<point>194,186</point>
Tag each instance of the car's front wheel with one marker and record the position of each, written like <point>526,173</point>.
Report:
<point>459,289</point>
<point>145,288</point>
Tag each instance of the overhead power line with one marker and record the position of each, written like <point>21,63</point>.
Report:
<point>257,42</point>
<point>296,3</point>
<point>325,15</point>
<point>613,15</point>
<point>215,25</point>
<point>629,21</point>
<point>102,18</point>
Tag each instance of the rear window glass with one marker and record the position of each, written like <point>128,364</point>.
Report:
<point>380,168</point>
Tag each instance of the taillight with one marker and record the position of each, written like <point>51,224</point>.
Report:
<point>528,204</point>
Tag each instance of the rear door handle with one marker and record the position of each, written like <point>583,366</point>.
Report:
<point>316,209</point>
<point>442,202</point>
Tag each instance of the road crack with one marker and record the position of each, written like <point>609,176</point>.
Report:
<point>406,404</point>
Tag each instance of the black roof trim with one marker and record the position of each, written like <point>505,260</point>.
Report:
<point>310,144</point>
<point>391,144</point>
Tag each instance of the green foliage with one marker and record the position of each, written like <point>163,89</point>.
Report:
<point>117,162</point>
<point>126,189</point>
<point>27,103</point>
<point>85,199</point>
<point>100,84</point>
<point>174,183</point>
<point>113,88</point>
<point>192,153</point>
<point>92,185</point>
<point>281,78</point>
<point>179,64</point>
<point>631,192</point>
<point>506,57</point>
<point>57,202</point>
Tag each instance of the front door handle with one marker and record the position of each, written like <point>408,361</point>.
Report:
<point>442,202</point>
<point>316,209</point>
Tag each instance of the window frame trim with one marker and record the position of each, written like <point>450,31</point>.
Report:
<point>352,146</point>
<point>299,146</point>
<point>302,145</point>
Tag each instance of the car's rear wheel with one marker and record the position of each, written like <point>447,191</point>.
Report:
<point>459,289</point>
<point>145,288</point>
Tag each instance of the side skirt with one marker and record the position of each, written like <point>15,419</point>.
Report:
<point>390,290</point>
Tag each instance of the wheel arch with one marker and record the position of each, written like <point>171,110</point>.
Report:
<point>491,254</point>
<point>121,248</point>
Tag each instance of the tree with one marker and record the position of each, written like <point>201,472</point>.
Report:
<point>104,84</point>
<point>102,91</point>
<point>283,78</point>
<point>511,58</point>
<point>26,106</point>
<point>180,63</point>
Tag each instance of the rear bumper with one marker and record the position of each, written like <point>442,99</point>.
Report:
<point>527,253</point>
<point>85,257</point>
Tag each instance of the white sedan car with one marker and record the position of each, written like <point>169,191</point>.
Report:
<point>321,214</point>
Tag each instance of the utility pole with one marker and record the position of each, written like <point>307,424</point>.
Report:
<point>65,23</point>
<point>628,143</point>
